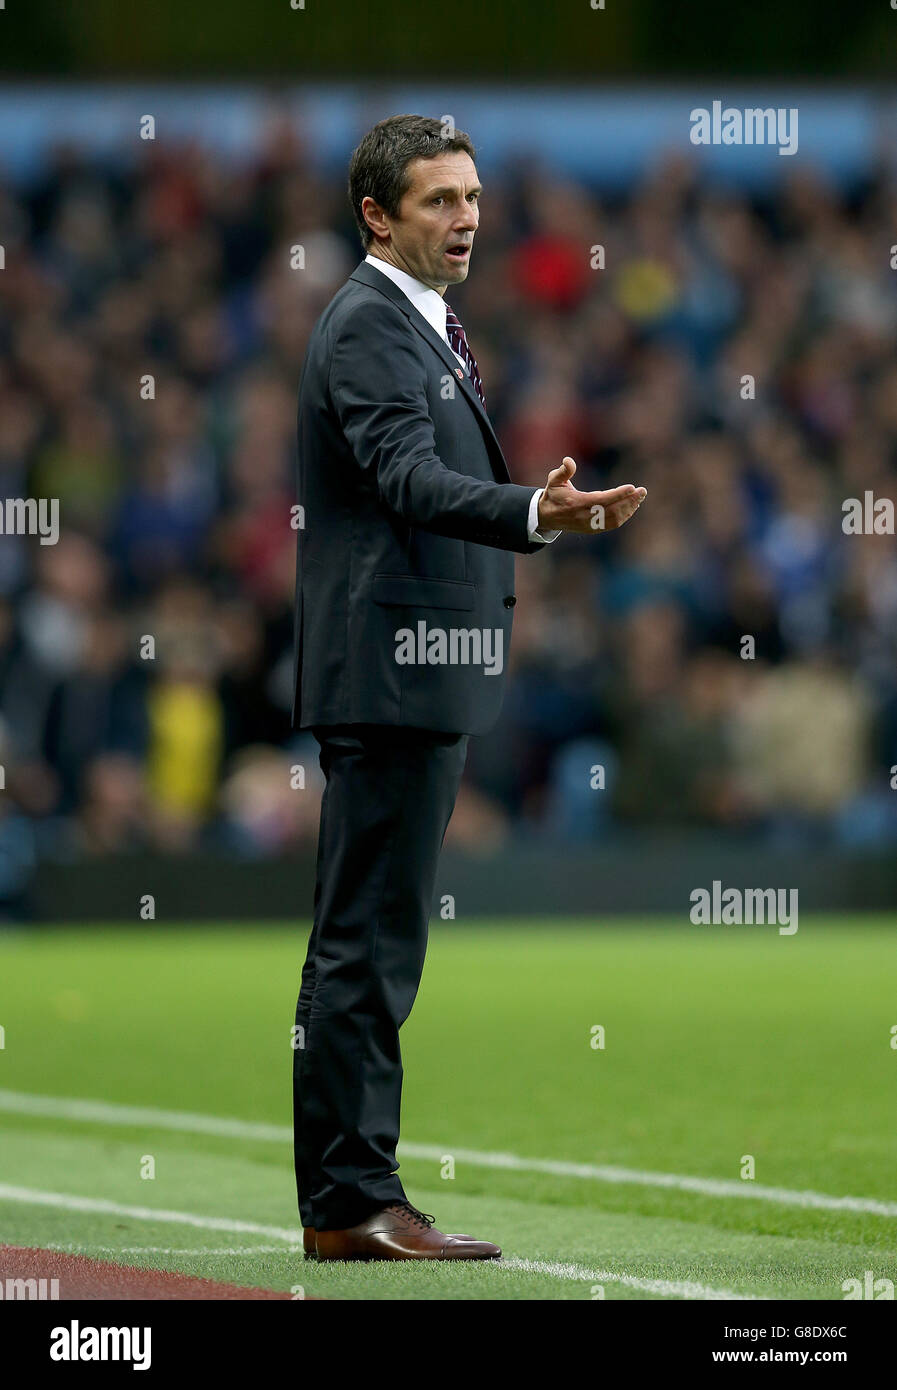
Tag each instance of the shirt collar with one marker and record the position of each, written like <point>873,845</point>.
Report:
<point>427,302</point>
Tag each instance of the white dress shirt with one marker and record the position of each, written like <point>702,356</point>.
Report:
<point>432,306</point>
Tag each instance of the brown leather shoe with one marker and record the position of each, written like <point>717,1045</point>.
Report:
<point>400,1232</point>
<point>310,1248</point>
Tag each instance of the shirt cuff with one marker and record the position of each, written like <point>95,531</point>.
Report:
<point>535,534</point>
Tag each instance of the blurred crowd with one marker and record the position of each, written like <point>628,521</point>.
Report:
<point>733,355</point>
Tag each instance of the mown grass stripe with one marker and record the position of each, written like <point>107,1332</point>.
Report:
<point>102,1112</point>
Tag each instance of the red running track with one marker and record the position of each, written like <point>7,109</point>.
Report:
<point>83,1278</point>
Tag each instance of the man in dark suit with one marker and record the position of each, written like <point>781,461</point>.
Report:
<point>404,598</point>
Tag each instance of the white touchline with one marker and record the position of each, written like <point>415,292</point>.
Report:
<point>104,1113</point>
<point>555,1270</point>
<point>669,1288</point>
<point>705,1187</point>
<point>89,1249</point>
<point>69,1202</point>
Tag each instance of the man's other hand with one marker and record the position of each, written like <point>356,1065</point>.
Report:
<point>563,508</point>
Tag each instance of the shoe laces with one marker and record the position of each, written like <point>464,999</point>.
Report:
<point>419,1218</point>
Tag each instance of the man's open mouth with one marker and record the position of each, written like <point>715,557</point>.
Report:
<point>459,252</point>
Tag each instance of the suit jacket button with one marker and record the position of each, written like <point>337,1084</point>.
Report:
<point>510,600</point>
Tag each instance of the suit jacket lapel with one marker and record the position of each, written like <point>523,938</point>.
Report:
<point>367,275</point>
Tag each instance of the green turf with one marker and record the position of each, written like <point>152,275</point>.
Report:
<point>720,1042</point>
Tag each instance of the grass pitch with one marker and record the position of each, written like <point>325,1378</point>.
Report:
<point>608,1171</point>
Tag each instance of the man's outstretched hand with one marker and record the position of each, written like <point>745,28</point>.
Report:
<point>563,508</point>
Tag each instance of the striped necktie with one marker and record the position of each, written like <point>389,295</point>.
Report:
<point>458,340</point>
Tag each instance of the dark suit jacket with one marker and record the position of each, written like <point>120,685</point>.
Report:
<point>410,521</point>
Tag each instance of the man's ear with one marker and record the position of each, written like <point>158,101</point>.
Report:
<point>374,216</point>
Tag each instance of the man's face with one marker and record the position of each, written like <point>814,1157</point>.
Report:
<point>433,232</point>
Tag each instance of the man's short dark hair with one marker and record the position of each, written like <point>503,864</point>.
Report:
<point>379,166</point>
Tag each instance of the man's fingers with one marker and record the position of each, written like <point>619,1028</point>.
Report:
<point>613,508</point>
<point>627,491</point>
<point>581,511</point>
<point>558,476</point>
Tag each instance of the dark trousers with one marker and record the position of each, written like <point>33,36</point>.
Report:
<point>388,798</point>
